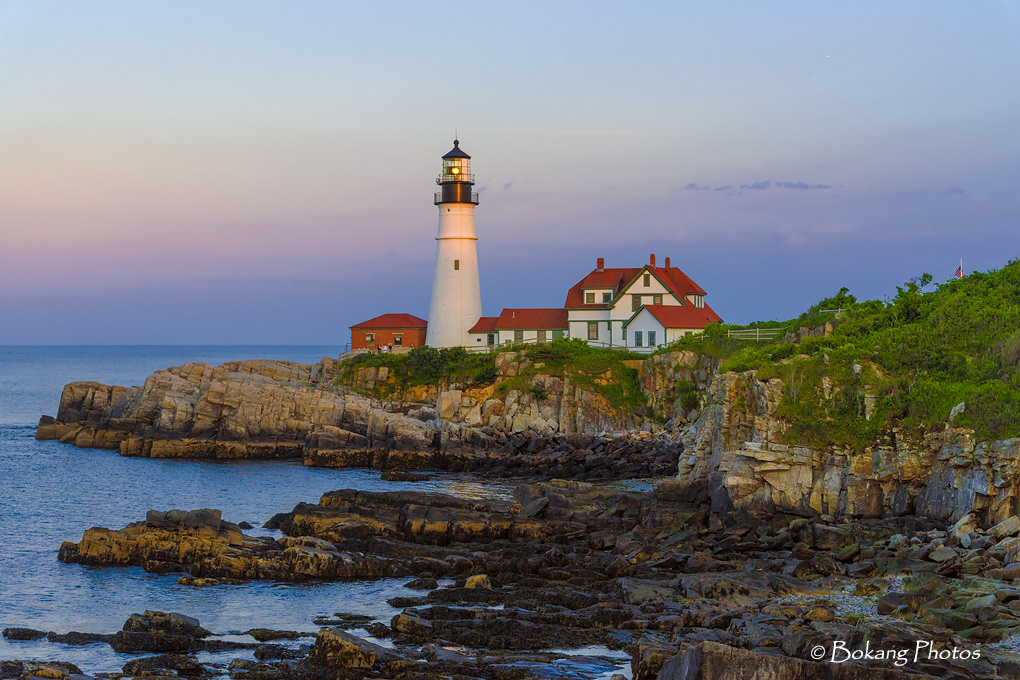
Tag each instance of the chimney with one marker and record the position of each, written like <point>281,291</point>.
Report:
<point>600,264</point>
<point>667,263</point>
<point>651,259</point>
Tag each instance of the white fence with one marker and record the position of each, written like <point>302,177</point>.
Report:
<point>756,334</point>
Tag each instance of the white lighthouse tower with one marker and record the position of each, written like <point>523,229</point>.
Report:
<point>456,296</point>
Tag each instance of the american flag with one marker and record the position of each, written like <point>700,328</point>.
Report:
<point>959,272</point>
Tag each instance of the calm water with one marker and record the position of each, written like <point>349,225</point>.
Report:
<point>50,493</point>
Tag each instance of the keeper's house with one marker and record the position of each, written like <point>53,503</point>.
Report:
<point>636,307</point>
<point>399,330</point>
<point>639,308</point>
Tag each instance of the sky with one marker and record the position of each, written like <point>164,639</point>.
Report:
<point>262,172</point>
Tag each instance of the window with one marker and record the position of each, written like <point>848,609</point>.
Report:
<point>398,339</point>
<point>656,299</point>
<point>688,332</point>
<point>593,330</point>
<point>637,338</point>
<point>635,303</point>
<point>699,300</point>
<point>541,336</point>
<point>518,336</point>
<point>589,298</point>
<point>607,297</point>
<point>557,334</point>
<point>651,338</point>
<point>491,339</point>
<point>369,337</point>
<point>648,279</point>
<point>456,265</point>
<point>478,339</point>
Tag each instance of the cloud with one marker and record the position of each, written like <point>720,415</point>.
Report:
<point>802,185</point>
<point>765,184</point>
<point>507,185</point>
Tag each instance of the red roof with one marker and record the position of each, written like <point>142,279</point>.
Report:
<point>686,316</point>
<point>532,319</point>
<point>393,321</point>
<point>617,279</point>
<point>486,324</point>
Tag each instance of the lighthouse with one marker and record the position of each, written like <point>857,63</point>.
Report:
<point>456,296</point>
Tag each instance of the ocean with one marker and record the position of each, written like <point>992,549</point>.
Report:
<point>50,493</point>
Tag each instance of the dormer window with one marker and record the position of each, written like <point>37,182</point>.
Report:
<point>607,297</point>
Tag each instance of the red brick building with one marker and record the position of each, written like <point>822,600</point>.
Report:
<point>400,330</point>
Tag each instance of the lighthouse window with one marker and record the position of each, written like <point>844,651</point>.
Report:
<point>456,264</point>
<point>589,298</point>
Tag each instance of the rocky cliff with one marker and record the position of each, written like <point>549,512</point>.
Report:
<point>738,453</point>
<point>270,409</point>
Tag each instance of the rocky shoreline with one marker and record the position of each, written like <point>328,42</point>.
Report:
<point>274,410</point>
<point>687,594</point>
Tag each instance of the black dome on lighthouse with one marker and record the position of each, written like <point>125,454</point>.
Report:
<point>456,152</point>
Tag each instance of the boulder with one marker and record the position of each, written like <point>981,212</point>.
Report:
<point>338,649</point>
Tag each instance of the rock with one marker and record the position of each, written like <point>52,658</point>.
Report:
<point>177,624</point>
<point>422,584</point>
<point>246,669</point>
<point>78,638</point>
<point>402,476</point>
<point>980,602</point>
<point>1008,527</point>
<point>820,613</point>
<point>941,554</point>
<point>23,634</point>
<point>34,670</point>
<point>889,603</point>
<point>1011,572</point>
<point>848,553</point>
<point>186,666</point>
<point>344,620</point>
<point>956,410</point>
<point>156,641</point>
<point>478,581</point>
<point>713,661</point>
<point>336,648</point>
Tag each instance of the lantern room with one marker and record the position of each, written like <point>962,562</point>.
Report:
<point>456,178</point>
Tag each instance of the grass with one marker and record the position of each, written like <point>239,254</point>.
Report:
<point>595,369</point>
<point>426,366</point>
<point>921,353</point>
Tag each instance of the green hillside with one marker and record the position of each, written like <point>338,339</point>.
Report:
<point>918,355</point>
